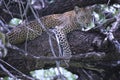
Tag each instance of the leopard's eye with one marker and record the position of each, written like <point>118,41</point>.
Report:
<point>78,18</point>
<point>83,17</point>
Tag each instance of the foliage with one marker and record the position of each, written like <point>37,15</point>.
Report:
<point>49,74</point>
<point>15,22</point>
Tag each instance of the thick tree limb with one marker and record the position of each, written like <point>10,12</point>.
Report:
<point>80,42</point>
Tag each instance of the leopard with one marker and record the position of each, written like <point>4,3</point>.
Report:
<point>62,24</point>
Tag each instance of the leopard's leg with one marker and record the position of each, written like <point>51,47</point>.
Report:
<point>62,40</point>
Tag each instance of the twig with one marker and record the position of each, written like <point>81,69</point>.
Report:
<point>88,75</point>
<point>3,26</point>
<point>102,26</point>
<point>16,48</point>
<point>114,42</point>
<point>111,37</point>
<point>44,28</point>
<point>7,9</point>
<point>5,70</point>
<point>116,24</point>
<point>39,21</point>
<point>83,56</point>
<point>53,52</point>
<point>30,78</point>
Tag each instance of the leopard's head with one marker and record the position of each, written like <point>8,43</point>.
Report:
<point>84,16</point>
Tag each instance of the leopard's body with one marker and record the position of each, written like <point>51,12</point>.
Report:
<point>63,23</point>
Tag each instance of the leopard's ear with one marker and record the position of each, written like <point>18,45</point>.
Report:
<point>76,9</point>
<point>92,8</point>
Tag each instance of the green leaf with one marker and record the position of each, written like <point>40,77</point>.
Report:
<point>49,74</point>
<point>15,22</point>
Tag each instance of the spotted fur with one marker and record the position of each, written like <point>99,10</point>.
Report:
<point>63,23</point>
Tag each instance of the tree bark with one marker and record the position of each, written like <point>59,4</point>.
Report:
<point>80,43</point>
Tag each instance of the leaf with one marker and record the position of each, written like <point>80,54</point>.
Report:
<point>49,74</point>
<point>15,22</point>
